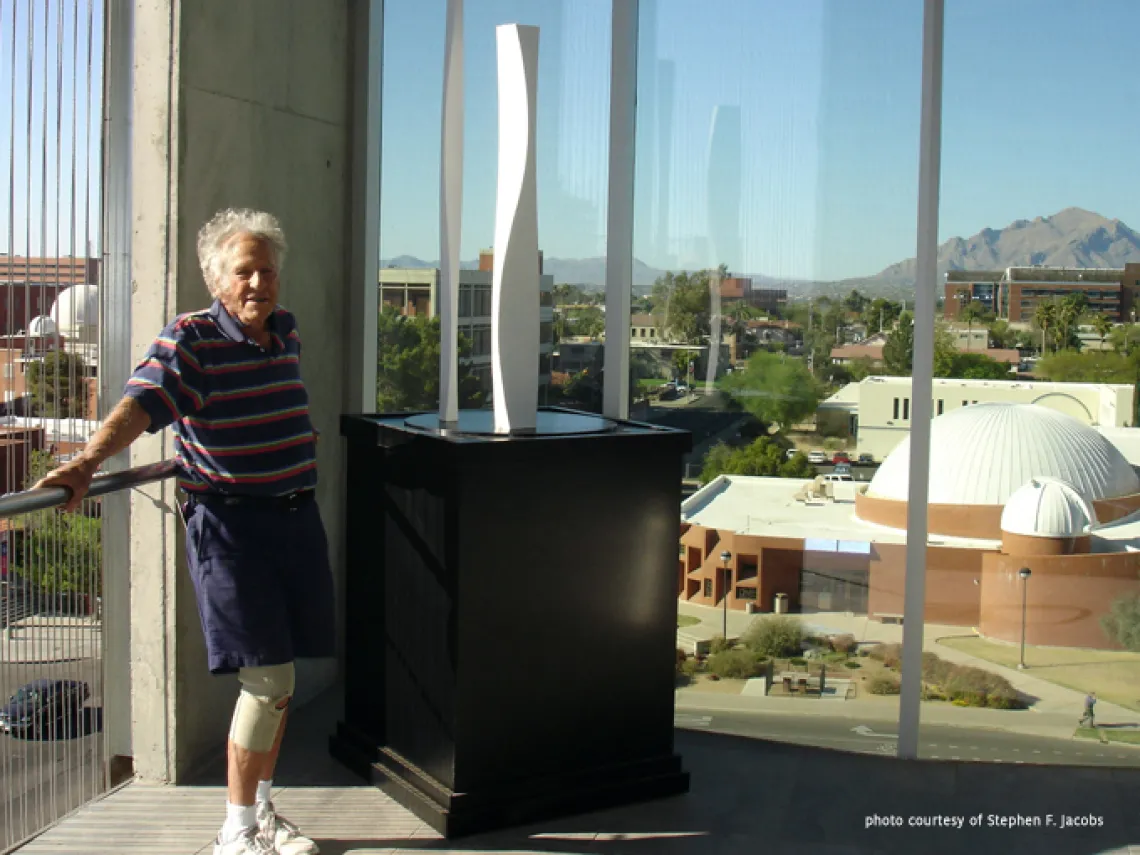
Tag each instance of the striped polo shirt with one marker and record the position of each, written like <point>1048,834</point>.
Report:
<point>240,411</point>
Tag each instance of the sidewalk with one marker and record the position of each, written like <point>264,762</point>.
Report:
<point>42,639</point>
<point>1054,709</point>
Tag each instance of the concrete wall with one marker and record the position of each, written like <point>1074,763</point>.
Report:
<point>235,104</point>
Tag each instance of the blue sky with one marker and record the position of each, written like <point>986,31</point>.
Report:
<point>49,156</point>
<point>821,177</point>
<point>778,137</point>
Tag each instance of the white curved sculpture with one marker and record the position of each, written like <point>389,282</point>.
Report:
<point>450,214</point>
<point>514,283</point>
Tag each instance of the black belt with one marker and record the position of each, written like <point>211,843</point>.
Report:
<point>288,502</point>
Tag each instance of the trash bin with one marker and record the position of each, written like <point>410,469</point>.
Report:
<point>750,608</point>
<point>780,604</point>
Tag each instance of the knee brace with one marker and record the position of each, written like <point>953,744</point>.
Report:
<point>265,694</point>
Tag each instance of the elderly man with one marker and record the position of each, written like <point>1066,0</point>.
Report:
<point>228,379</point>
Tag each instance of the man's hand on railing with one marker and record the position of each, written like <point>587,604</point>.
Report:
<point>75,476</point>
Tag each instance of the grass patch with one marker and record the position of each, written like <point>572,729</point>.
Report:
<point>1113,675</point>
<point>687,620</point>
<point>1128,737</point>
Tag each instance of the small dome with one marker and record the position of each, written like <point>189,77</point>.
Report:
<point>41,325</point>
<point>982,453</point>
<point>1048,507</point>
<point>76,311</point>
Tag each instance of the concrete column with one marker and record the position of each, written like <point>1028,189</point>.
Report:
<point>244,105</point>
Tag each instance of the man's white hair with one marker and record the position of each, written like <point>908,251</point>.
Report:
<point>214,239</point>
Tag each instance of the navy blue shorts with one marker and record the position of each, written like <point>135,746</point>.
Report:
<point>263,583</point>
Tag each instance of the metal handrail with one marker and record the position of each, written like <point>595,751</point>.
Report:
<point>12,504</point>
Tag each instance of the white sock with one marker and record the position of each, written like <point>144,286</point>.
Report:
<point>263,790</point>
<point>238,819</point>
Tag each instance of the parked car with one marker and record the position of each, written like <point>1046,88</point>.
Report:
<point>866,460</point>
<point>790,453</point>
<point>42,704</point>
<point>842,469</point>
<point>817,457</point>
<point>840,457</point>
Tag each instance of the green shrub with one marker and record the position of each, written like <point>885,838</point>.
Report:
<point>851,664</point>
<point>690,668</point>
<point>798,662</point>
<point>777,635</point>
<point>719,645</point>
<point>736,664</point>
<point>883,684</point>
<point>1122,623</point>
<point>1003,699</point>
<point>843,643</point>
<point>889,654</point>
<point>932,693</point>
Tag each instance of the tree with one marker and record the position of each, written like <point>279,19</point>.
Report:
<point>1125,337</point>
<point>880,314</point>
<point>1069,366</point>
<point>976,366</point>
<point>57,386</point>
<point>1001,335</point>
<point>682,303</point>
<point>58,553</point>
<point>1103,327</point>
<point>1122,623</point>
<point>763,456</point>
<point>407,377</point>
<point>1045,318</point>
<point>855,302</point>
<point>682,361</point>
<point>590,321</point>
<point>972,313</point>
<point>898,350</point>
<point>775,388</point>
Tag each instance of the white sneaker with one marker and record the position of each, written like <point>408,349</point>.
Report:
<point>283,835</point>
<point>249,842</point>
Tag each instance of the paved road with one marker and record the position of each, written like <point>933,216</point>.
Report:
<point>42,779</point>
<point>936,741</point>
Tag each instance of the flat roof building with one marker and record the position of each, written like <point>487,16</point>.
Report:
<point>1019,486</point>
<point>1014,293</point>
<point>877,410</point>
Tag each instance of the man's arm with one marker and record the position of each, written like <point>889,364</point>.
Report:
<point>122,427</point>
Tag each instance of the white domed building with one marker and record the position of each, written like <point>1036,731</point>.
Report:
<point>1013,487</point>
<point>75,313</point>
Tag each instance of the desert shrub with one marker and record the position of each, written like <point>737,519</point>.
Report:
<point>883,684</point>
<point>852,664</point>
<point>1003,699</point>
<point>690,668</point>
<point>889,654</point>
<point>935,669</point>
<point>932,693</point>
<point>843,643</point>
<point>736,664</point>
<point>719,645</point>
<point>974,687</point>
<point>1122,623</point>
<point>777,635</point>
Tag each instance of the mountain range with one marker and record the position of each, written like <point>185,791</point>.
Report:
<point>1073,237</point>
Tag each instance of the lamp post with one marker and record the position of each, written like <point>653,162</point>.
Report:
<point>1024,573</point>
<point>726,556</point>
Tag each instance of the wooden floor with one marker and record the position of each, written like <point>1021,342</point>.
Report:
<point>748,797</point>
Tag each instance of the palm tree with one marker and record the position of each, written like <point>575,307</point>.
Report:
<point>1045,316</point>
<point>972,312</point>
<point>1103,327</point>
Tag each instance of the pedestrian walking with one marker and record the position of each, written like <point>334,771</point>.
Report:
<point>1090,714</point>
